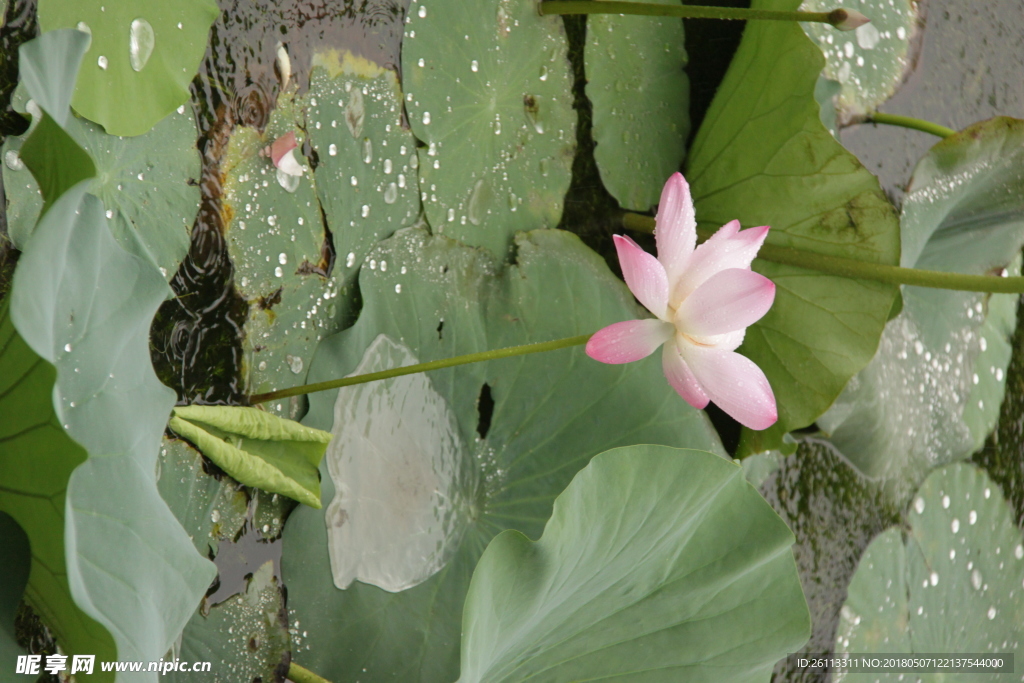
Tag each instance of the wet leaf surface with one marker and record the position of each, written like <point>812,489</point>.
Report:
<point>950,582</point>
<point>522,428</point>
<point>494,110</point>
<point>146,56</point>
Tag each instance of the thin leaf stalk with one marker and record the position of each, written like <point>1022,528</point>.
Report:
<point>478,357</point>
<point>835,17</point>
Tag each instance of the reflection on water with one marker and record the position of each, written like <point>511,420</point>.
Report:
<point>402,475</point>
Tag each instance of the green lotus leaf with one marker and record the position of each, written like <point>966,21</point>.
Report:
<point>36,461</point>
<point>657,564</point>
<point>276,238</point>
<point>424,470</point>
<point>15,566</point>
<point>641,99</point>
<point>870,62</point>
<point>950,583</point>
<point>147,183</point>
<point>763,156</point>
<point>932,393</point>
<point>130,565</point>
<point>140,59</point>
<point>257,448</point>
<point>494,107</point>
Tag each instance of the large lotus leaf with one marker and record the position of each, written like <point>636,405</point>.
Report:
<point>140,61</point>
<point>764,157</point>
<point>84,304</point>
<point>657,565</point>
<point>932,393</point>
<point>36,460</point>
<point>146,183</point>
<point>641,99</point>
<point>256,448</point>
<point>870,62</point>
<point>951,583</point>
<point>489,90</point>
<point>462,453</point>
<point>15,566</point>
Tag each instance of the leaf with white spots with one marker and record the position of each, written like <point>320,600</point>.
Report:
<point>953,582</point>
<point>489,90</point>
<point>870,62</point>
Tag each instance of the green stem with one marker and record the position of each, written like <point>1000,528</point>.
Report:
<point>910,122</point>
<point>422,367</point>
<point>861,270</point>
<point>834,17</point>
<point>300,674</point>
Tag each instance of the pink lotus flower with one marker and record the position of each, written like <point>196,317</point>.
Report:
<point>703,298</point>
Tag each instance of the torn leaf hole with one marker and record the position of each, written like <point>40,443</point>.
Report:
<point>485,408</point>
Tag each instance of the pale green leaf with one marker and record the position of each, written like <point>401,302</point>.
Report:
<point>657,564</point>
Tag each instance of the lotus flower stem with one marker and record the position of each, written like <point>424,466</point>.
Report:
<point>422,367</point>
<point>909,122</point>
<point>840,18</point>
<point>300,674</point>
<point>862,270</point>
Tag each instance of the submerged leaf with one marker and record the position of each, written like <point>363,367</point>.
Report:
<point>764,157</point>
<point>657,564</point>
<point>257,448</point>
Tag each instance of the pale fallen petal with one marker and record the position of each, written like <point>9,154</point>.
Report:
<point>735,384</point>
<point>644,276</point>
<point>289,164</point>
<point>681,377</point>
<point>729,300</point>
<point>727,248</point>
<point>282,146</point>
<point>628,341</point>
<point>676,226</point>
